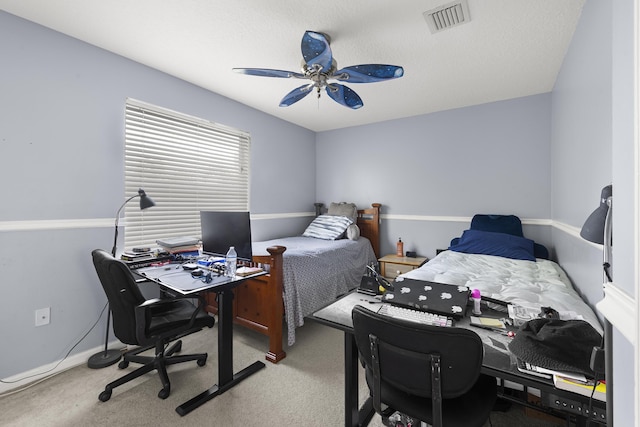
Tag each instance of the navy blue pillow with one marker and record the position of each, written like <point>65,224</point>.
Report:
<point>540,251</point>
<point>509,224</point>
<point>498,244</point>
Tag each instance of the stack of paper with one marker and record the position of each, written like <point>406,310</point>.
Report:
<point>137,256</point>
<point>584,388</point>
<point>178,245</point>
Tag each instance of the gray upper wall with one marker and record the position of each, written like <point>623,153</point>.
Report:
<point>62,129</point>
<point>581,132</point>
<point>581,142</point>
<point>489,158</point>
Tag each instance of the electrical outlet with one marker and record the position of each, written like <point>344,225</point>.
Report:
<point>43,316</point>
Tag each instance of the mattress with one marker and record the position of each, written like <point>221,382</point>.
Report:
<point>529,284</point>
<point>315,272</point>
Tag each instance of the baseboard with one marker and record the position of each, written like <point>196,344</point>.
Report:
<point>20,380</point>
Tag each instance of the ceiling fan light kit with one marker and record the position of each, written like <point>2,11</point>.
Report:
<point>321,69</point>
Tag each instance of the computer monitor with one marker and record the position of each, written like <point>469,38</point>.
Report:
<point>222,229</point>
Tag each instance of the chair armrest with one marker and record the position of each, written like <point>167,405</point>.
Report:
<point>144,311</point>
<point>156,302</point>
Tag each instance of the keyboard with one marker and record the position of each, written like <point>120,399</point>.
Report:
<point>417,316</point>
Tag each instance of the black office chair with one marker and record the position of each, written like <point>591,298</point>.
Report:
<point>429,373</point>
<point>147,323</point>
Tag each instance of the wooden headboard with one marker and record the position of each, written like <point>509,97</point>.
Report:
<point>369,223</point>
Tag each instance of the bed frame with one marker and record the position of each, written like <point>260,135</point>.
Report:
<point>258,303</point>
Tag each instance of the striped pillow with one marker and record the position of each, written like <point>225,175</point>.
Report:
<point>327,227</point>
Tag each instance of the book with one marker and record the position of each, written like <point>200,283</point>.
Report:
<point>146,262</point>
<point>181,249</point>
<point>247,271</point>
<point>530,369</point>
<point>134,254</point>
<point>487,322</point>
<point>131,255</point>
<point>539,371</point>
<point>174,242</point>
<point>140,257</point>
<point>581,387</point>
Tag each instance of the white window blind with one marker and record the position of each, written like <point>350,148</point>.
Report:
<point>185,164</point>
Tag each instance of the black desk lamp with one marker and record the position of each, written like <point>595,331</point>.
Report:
<point>597,229</point>
<point>109,357</point>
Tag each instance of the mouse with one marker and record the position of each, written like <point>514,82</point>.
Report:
<point>197,272</point>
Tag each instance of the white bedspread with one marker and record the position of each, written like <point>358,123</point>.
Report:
<point>315,272</point>
<point>525,283</point>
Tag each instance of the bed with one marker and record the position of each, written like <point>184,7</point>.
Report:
<point>305,274</point>
<point>494,257</point>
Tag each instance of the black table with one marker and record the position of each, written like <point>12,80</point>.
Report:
<point>177,280</point>
<point>497,362</point>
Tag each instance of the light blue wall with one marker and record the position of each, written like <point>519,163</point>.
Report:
<point>61,158</point>
<point>625,185</point>
<point>625,182</point>
<point>592,146</point>
<point>581,143</point>
<point>492,158</point>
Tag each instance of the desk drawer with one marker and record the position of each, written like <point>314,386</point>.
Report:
<point>393,270</point>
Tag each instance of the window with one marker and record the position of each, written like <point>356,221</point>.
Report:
<point>185,164</point>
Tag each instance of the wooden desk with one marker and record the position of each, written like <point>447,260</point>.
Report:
<point>177,280</point>
<point>497,362</point>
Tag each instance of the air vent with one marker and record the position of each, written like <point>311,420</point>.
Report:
<point>447,16</point>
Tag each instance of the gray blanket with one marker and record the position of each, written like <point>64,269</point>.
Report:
<point>316,271</point>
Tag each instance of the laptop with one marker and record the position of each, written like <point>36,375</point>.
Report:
<point>440,298</point>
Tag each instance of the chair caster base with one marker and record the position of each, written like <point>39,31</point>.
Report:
<point>203,361</point>
<point>104,396</point>
<point>164,393</point>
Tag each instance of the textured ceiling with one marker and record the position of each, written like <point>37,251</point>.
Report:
<point>509,49</point>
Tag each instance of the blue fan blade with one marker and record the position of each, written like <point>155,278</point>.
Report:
<point>345,96</point>
<point>316,50</point>
<point>296,95</point>
<point>369,73</point>
<point>265,72</point>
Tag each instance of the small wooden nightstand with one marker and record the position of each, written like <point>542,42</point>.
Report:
<point>391,265</point>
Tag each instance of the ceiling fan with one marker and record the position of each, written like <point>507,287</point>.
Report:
<point>319,67</point>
